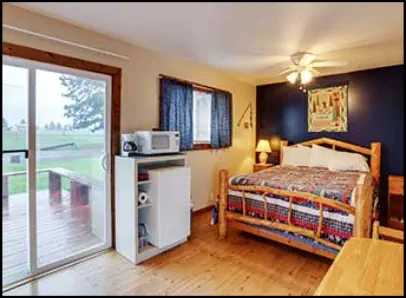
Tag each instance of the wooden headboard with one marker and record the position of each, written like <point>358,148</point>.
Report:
<point>374,153</point>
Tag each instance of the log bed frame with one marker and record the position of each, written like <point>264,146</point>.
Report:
<point>362,210</point>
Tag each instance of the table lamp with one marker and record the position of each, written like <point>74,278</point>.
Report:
<point>264,148</point>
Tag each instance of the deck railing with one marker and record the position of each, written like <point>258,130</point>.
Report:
<point>79,188</point>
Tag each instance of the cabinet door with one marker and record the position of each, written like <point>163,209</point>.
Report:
<point>173,205</point>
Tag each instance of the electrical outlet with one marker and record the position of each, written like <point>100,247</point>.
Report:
<point>246,125</point>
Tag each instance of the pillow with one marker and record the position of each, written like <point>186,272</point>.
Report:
<point>296,156</point>
<point>304,156</point>
<point>338,160</point>
<point>321,156</point>
<point>289,156</point>
<point>345,161</point>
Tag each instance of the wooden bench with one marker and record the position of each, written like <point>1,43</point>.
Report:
<point>5,183</point>
<point>80,185</point>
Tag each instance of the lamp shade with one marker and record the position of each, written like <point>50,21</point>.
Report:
<point>263,146</point>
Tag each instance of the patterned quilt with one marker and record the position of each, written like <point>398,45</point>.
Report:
<point>337,226</point>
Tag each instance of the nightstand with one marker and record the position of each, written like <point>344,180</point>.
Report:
<point>258,167</point>
<point>395,202</point>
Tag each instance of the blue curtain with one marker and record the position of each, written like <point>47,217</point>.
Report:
<point>221,120</point>
<point>176,110</point>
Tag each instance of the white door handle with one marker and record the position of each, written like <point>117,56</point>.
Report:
<point>103,162</point>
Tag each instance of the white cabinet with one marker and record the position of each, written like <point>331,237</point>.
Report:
<point>170,189</point>
<point>167,213</point>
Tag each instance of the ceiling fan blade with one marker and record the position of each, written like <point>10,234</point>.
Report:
<point>315,70</point>
<point>307,59</point>
<point>331,63</point>
<point>290,69</point>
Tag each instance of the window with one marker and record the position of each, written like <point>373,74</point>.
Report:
<point>201,117</point>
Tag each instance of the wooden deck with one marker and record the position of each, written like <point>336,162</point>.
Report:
<point>63,229</point>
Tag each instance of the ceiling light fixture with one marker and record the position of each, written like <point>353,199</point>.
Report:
<point>306,76</point>
<point>292,77</point>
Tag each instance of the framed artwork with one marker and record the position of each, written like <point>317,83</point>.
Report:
<point>328,109</point>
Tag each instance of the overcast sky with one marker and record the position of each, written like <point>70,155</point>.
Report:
<point>50,101</point>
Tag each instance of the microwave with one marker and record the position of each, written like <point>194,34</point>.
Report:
<point>157,142</point>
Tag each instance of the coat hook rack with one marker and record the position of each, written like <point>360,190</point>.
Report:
<point>249,107</point>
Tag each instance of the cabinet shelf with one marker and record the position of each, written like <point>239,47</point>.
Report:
<point>144,206</point>
<point>146,248</point>
<point>144,182</point>
<point>147,252</point>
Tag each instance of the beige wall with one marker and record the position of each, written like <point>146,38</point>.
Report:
<point>140,90</point>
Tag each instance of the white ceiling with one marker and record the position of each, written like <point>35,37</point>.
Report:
<point>253,40</point>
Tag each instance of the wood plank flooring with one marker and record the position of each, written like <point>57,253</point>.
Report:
<point>242,264</point>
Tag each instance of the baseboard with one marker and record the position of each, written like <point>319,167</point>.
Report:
<point>203,210</point>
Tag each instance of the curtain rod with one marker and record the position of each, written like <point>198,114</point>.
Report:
<point>192,83</point>
<point>71,43</point>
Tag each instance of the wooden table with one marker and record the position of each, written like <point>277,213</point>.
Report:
<point>258,167</point>
<point>365,267</point>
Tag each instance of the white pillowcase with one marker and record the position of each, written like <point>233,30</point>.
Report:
<point>304,156</point>
<point>345,161</point>
<point>296,156</point>
<point>338,160</point>
<point>321,156</point>
<point>289,156</point>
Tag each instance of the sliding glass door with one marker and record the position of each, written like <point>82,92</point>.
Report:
<point>14,188</point>
<point>55,166</point>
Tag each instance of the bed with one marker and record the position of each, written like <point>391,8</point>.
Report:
<point>310,208</point>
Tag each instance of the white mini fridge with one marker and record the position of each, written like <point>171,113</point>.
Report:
<point>169,220</point>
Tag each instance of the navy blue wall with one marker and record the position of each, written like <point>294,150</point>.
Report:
<point>375,113</point>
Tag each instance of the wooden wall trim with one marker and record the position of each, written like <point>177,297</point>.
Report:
<point>29,53</point>
<point>24,52</point>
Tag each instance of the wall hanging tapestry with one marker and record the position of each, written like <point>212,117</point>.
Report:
<point>328,109</point>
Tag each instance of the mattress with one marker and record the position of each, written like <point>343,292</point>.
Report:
<point>337,225</point>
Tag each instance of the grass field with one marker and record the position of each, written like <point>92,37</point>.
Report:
<point>87,166</point>
<point>18,139</point>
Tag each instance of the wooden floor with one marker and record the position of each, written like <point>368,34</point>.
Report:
<point>241,265</point>
<point>63,229</point>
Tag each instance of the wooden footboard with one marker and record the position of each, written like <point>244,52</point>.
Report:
<point>362,211</point>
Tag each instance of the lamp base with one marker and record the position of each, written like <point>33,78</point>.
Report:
<point>263,158</point>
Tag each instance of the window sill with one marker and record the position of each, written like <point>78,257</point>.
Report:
<point>202,147</point>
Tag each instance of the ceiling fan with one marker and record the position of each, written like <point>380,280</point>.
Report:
<point>304,67</point>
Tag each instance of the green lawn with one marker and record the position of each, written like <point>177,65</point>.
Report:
<point>86,166</point>
<point>18,139</point>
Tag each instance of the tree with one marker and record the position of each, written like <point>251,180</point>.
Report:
<point>66,128</point>
<point>87,107</point>
<point>5,124</point>
<point>52,125</point>
<point>22,126</point>
<point>46,127</point>
<point>58,126</point>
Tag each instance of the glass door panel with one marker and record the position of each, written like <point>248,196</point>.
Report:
<point>70,142</point>
<point>14,174</point>
<point>56,189</point>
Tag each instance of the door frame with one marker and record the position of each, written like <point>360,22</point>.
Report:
<point>115,73</point>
